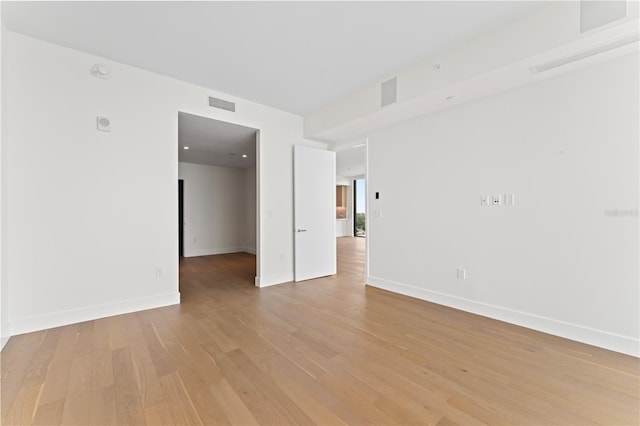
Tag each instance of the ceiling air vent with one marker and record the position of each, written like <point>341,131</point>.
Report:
<point>222,104</point>
<point>389,92</point>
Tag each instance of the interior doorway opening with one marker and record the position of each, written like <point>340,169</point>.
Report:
<point>351,172</point>
<point>218,190</point>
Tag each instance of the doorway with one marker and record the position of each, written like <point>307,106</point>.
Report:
<point>351,170</point>
<point>218,191</point>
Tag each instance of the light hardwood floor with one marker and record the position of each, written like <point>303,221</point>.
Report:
<point>329,351</point>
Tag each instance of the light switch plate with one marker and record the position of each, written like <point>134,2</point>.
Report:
<point>509,199</point>
<point>461,274</point>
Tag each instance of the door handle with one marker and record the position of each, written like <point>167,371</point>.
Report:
<point>301,230</point>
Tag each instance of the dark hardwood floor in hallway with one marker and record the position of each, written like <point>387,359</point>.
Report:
<point>329,351</point>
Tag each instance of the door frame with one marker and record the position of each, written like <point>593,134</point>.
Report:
<point>180,217</point>
<point>355,194</point>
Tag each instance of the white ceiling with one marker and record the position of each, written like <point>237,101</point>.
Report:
<point>296,56</point>
<point>350,162</point>
<point>215,142</point>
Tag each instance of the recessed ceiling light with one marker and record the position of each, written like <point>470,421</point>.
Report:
<point>186,147</point>
<point>244,155</point>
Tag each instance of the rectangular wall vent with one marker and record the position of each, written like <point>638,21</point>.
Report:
<point>389,92</point>
<point>222,104</point>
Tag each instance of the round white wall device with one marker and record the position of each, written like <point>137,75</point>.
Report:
<point>100,71</point>
<point>104,124</point>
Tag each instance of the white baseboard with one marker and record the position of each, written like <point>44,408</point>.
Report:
<point>214,251</point>
<point>5,333</point>
<point>603,339</point>
<point>269,281</point>
<point>57,319</point>
<point>211,251</point>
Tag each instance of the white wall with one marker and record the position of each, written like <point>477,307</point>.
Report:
<point>558,260</point>
<point>92,215</point>
<point>216,213</point>
<point>4,323</point>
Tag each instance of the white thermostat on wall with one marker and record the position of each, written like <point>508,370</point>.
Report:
<point>103,123</point>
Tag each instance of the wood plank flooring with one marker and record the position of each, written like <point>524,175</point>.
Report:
<point>329,352</point>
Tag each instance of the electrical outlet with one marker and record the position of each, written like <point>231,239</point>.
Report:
<point>497,200</point>
<point>158,272</point>
<point>462,273</point>
<point>484,200</point>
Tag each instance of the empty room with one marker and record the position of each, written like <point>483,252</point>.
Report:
<point>331,213</point>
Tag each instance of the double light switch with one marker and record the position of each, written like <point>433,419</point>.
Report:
<point>498,200</point>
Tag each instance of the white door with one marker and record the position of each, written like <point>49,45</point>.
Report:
<point>314,192</point>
